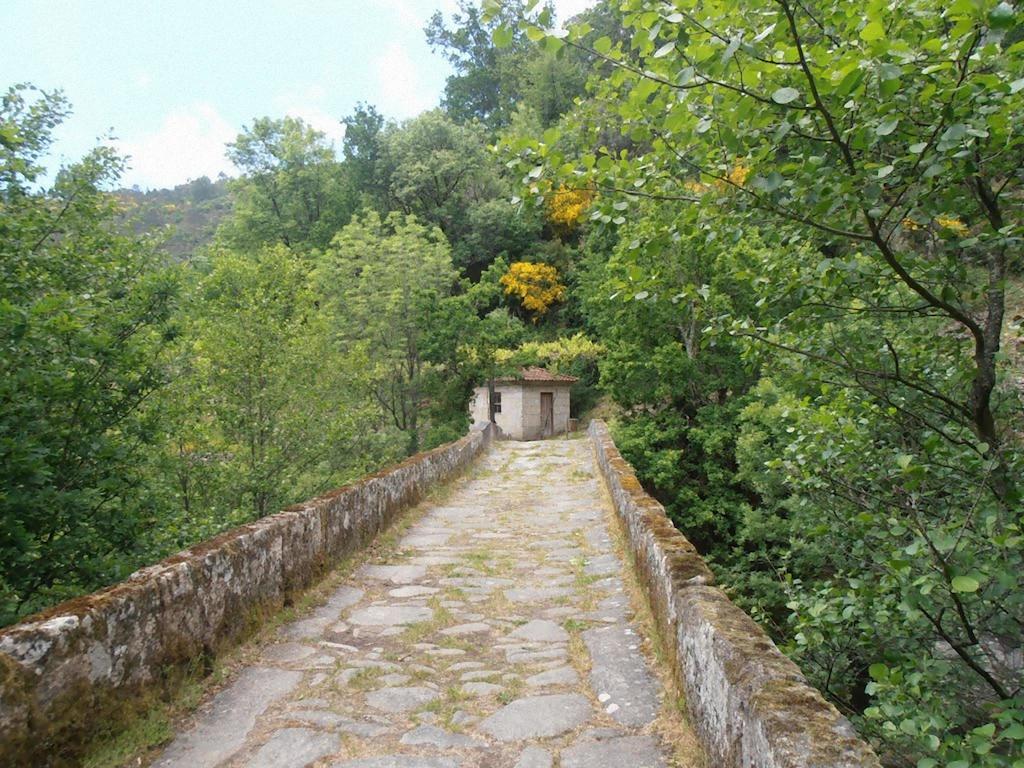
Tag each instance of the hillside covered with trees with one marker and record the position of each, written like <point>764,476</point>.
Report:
<point>779,242</point>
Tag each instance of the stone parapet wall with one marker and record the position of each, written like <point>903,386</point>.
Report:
<point>65,669</point>
<point>750,704</point>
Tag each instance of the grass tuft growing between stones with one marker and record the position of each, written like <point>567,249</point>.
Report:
<point>445,706</point>
<point>421,630</point>
<point>126,741</point>
<point>513,690</point>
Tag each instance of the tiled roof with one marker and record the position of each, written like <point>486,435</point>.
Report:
<point>536,374</point>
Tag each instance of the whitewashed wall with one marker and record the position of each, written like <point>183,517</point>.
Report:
<point>520,416</point>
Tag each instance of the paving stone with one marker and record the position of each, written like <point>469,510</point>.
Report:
<point>222,729</point>
<point>557,676</point>
<point>400,761</point>
<point>611,609</point>
<point>391,615</point>
<point>287,652</point>
<point>321,618</point>
<point>560,612</point>
<point>346,675</point>
<point>438,737</point>
<point>335,721</point>
<point>541,631</point>
<point>429,560</point>
<point>534,757</point>
<point>396,700</point>
<point>602,565</point>
<point>634,751</point>
<point>529,657</point>
<point>306,628</point>
<point>473,628</point>
<point>386,666</point>
<point>394,574</point>
<point>295,748</point>
<point>464,718</point>
<point>536,717</point>
<point>309,702</point>
<point>619,676</point>
<point>536,594</point>
<point>319,662</point>
<point>424,540</point>
<point>600,734</point>
<point>413,590</point>
<point>338,647</point>
<point>482,689</point>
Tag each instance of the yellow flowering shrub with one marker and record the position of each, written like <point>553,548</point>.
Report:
<point>566,207</point>
<point>535,285</point>
<point>952,223</point>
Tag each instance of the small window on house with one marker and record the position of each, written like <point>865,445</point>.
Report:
<point>496,403</point>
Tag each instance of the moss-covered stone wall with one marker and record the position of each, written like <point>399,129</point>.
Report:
<point>749,703</point>
<point>63,670</point>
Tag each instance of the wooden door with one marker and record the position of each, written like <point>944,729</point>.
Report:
<point>547,414</point>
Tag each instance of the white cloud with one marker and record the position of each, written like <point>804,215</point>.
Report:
<point>142,79</point>
<point>188,144</point>
<point>416,13</point>
<point>566,9</point>
<point>326,123</point>
<point>309,105</point>
<point>399,92</point>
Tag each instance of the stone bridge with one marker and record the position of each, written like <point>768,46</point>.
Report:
<point>530,607</point>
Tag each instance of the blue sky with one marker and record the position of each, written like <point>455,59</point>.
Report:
<point>174,81</point>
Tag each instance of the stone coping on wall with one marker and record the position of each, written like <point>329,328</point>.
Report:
<point>63,670</point>
<point>749,703</point>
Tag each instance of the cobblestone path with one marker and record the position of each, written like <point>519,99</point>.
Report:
<point>495,634</point>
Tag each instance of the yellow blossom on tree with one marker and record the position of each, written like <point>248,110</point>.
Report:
<point>566,207</point>
<point>952,223</point>
<point>739,173</point>
<point>535,285</point>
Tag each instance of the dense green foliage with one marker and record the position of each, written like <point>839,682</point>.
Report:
<point>809,359</point>
<point>85,320</point>
<point>772,238</point>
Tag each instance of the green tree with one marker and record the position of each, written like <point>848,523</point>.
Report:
<point>276,408</point>
<point>442,173</point>
<point>386,280</point>
<point>362,149</point>
<point>293,189</point>
<point>487,79</point>
<point>85,316</point>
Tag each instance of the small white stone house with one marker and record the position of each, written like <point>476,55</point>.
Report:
<point>531,405</point>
